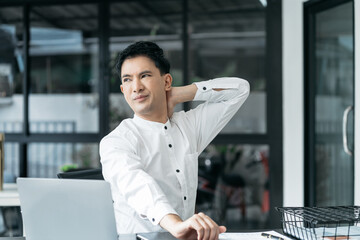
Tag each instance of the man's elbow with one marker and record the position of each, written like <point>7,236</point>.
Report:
<point>244,88</point>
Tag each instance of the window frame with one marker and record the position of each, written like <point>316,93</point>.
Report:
<point>273,73</point>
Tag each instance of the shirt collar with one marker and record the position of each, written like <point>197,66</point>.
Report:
<point>151,125</point>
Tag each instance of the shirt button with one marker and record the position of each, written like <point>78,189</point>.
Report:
<point>204,88</point>
<point>177,170</point>
<point>170,146</point>
<point>153,219</point>
<point>165,127</point>
<point>185,198</point>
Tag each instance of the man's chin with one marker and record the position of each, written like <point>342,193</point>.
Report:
<point>142,112</point>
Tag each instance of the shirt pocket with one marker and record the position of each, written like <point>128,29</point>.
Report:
<point>191,166</point>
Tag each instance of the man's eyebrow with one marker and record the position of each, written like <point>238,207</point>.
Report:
<point>141,73</point>
<point>125,75</point>
<point>146,71</point>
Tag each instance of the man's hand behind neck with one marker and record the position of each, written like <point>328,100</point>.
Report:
<point>178,95</point>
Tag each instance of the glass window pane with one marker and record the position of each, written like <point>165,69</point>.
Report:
<point>229,40</point>
<point>11,70</point>
<point>334,53</point>
<point>64,69</point>
<point>158,21</point>
<point>233,185</point>
<point>48,159</point>
<point>11,162</point>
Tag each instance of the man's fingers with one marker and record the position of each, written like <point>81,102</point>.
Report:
<point>214,228</point>
<point>205,229</point>
<point>210,230</point>
<point>222,229</point>
<point>204,226</point>
<point>195,224</point>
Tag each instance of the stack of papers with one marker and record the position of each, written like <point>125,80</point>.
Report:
<point>326,232</point>
<point>250,235</point>
<point>339,231</point>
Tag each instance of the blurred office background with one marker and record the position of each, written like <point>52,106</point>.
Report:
<point>59,93</point>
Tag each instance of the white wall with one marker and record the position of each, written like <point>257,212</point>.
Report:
<point>82,109</point>
<point>293,102</point>
<point>293,107</point>
<point>357,101</point>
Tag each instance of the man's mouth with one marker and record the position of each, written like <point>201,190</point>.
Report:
<point>140,97</point>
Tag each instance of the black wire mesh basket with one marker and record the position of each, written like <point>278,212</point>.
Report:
<point>342,222</point>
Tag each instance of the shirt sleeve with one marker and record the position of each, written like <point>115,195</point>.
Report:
<point>219,107</point>
<point>123,169</point>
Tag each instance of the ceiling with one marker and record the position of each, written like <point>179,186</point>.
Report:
<point>144,17</point>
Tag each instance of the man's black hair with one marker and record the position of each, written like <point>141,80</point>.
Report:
<point>147,49</point>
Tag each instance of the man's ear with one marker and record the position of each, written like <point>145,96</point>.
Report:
<point>168,81</point>
<point>121,88</point>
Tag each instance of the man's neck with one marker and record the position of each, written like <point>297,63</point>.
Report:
<point>153,118</point>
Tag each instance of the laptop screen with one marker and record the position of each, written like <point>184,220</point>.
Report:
<point>69,209</point>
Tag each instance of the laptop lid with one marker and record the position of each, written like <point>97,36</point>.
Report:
<point>71,209</point>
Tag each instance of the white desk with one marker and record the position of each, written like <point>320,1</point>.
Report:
<point>9,196</point>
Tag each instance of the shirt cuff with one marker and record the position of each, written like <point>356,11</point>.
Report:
<point>157,213</point>
<point>205,87</point>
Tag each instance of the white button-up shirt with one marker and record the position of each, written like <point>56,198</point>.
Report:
<point>152,167</point>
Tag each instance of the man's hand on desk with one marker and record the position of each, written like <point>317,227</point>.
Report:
<point>199,226</point>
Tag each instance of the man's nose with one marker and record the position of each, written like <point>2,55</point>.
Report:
<point>137,85</point>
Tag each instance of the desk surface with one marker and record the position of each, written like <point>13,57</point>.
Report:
<point>9,196</point>
<point>125,237</point>
<point>12,238</point>
<point>121,237</point>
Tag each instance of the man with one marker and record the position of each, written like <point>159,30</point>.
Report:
<point>151,160</point>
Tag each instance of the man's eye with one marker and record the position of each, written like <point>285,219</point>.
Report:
<point>145,75</point>
<point>126,79</point>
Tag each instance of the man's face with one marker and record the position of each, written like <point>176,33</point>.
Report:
<point>144,87</point>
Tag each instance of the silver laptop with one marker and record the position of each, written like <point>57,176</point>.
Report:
<point>59,209</point>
